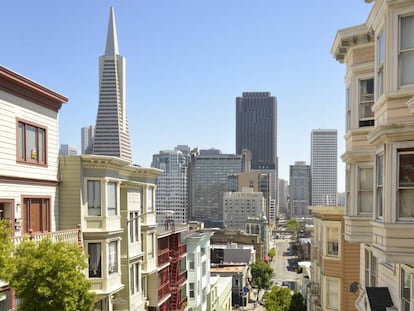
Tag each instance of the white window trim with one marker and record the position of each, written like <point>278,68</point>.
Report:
<point>102,194</point>
<point>379,152</point>
<point>394,178</point>
<point>331,224</point>
<point>117,202</point>
<point>410,271</point>
<point>325,292</point>
<point>357,171</point>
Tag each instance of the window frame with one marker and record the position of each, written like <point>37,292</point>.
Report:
<point>364,121</point>
<point>111,210</point>
<point>22,154</point>
<point>364,166</point>
<point>379,185</point>
<point>45,211</point>
<point>328,290</point>
<point>113,257</point>
<point>380,64</point>
<point>399,188</point>
<point>97,210</point>
<point>406,298</point>
<point>99,274</point>
<point>403,51</point>
<point>330,251</point>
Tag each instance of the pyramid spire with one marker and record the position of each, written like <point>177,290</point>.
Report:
<point>112,38</point>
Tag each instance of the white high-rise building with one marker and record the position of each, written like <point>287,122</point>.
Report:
<point>111,129</point>
<point>172,185</point>
<point>66,150</point>
<point>324,166</point>
<point>87,135</point>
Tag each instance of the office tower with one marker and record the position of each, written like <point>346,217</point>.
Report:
<point>208,182</point>
<point>283,195</point>
<point>324,166</point>
<point>66,150</point>
<point>111,131</point>
<point>87,135</point>
<point>171,198</point>
<point>299,189</point>
<point>256,131</point>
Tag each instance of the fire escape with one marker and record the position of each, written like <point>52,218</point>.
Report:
<point>175,273</point>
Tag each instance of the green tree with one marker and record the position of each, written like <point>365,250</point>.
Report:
<point>293,225</point>
<point>48,276</point>
<point>297,303</point>
<point>261,274</point>
<point>278,299</point>
<point>271,253</point>
<point>6,249</point>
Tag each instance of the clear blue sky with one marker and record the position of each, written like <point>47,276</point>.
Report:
<point>187,60</point>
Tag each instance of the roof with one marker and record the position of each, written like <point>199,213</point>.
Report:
<point>228,269</point>
<point>379,298</point>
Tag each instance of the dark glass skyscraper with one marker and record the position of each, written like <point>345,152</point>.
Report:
<point>256,130</point>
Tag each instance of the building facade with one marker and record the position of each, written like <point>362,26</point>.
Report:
<point>299,189</point>
<point>335,262</point>
<point>172,185</point>
<point>379,84</point>
<point>324,166</point>
<point>238,206</point>
<point>208,182</point>
<point>111,129</point>
<point>256,131</point>
<point>198,266</point>
<point>87,136</point>
<point>28,161</point>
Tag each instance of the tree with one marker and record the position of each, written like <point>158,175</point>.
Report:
<point>293,224</point>
<point>271,253</point>
<point>261,274</point>
<point>6,249</point>
<point>297,303</point>
<point>278,299</point>
<point>48,276</point>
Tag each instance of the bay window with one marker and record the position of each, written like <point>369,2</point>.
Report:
<point>365,190</point>
<point>366,100</point>
<point>113,257</point>
<point>405,290</point>
<point>332,241</point>
<point>111,198</point>
<point>94,197</point>
<point>405,184</point>
<point>379,186</point>
<point>95,260</point>
<point>406,51</point>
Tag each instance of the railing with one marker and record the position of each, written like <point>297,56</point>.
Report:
<point>163,257</point>
<point>163,290</point>
<point>182,249</point>
<point>69,236</point>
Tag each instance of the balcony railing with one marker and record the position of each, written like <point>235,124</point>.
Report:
<point>163,257</point>
<point>69,236</point>
<point>163,290</point>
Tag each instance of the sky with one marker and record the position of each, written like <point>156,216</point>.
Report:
<point>186,62</point>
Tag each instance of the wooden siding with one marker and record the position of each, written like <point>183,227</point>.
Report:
<point>13,107</point>
<point>70,192</point>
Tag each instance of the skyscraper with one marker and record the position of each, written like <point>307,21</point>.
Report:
<point>208,181</point>
<point>324,166</point>
<point>66,150</point>
<point>256,130</point>
<point>172,185</point>
<point>111,131</point>
<point>299,189</point>
<point>87,135</point>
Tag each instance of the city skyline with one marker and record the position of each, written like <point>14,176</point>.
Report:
<point>186,63</point>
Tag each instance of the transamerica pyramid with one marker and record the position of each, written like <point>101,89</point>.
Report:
<point>111,130</point>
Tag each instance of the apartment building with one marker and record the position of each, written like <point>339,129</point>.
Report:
<point>29,161</point>
<point>379,156</point>
<point>167,288</point>
<point>334,262</point>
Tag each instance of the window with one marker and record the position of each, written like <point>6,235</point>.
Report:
<point>347,191</point>
<point>366,100</point>
<point>371,269</point>
<point>348,108</point>
<point>191,261</point>
<point>150,246</point>
<point>36,215</point>
<point>405,290</point>
<point>191,290</point>
<point>332,294</point>
<point>406,53</point>
<point>111,198</point>
<point>379,185</point>
<point>31,143</point>
<point>95,260</point>
<point>133,227</point>
<point>134,278</point>
<point>332,241</point>
<point>365,190</point>
<point>380,63</point>
<point>113,257</point>
<point>150,199</point>
<point>94,197</point>
<point>406,184</point>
